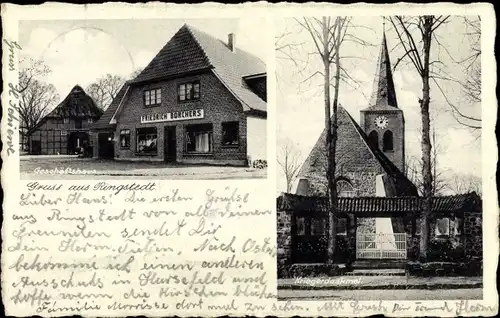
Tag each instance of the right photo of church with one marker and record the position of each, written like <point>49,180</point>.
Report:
<point>379,158</point>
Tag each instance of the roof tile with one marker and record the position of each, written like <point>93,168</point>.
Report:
<point>468,202</point>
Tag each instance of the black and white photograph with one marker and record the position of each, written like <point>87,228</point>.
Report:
<point>379,158</point>
<point>174,99</point>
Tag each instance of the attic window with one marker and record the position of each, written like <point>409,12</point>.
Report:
<point>188,91</point>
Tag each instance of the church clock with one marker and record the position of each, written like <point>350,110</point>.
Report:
<point>381,122</point>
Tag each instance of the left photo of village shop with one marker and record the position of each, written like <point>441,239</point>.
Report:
<point>168,98</point>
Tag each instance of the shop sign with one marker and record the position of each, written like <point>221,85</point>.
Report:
<point>173,116</point>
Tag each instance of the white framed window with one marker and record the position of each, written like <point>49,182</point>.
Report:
<point>442,227</point>
<point>152,97</point>
<point>188,91</point>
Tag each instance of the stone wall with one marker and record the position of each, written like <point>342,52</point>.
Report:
<point>284,241</point>
<point>355,161</point>
<point>473,234</point>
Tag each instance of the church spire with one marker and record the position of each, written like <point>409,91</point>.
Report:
<point>384,93</point>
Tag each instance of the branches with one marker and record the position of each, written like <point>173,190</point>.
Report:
<point>105,89</point>
<point>288,159</point>
<point>37,97</point>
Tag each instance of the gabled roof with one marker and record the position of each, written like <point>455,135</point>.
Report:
<point>191,50</point>
<point>104,121</point>
<point>468,202</point>
<point>76,104</point>
<point>384,93</point>
<point>348,128</point>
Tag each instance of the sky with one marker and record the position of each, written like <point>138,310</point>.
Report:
<point>300,102</point>
<point>81,51</point>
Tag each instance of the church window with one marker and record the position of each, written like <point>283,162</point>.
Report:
<point>345,189</point>
<point>388,141</point>
<point>373,137</point>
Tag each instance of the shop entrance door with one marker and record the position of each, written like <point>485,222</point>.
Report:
<point>170,147</point>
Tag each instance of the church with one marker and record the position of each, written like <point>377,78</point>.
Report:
<point>378,206</point>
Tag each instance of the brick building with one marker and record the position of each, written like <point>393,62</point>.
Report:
<point>378,207</point>
<point>200,100</point>
<point>65,130</point>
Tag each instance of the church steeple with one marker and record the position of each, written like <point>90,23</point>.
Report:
<point>383,121</point>
<point>384,93</point>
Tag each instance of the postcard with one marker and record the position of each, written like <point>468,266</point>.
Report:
<point>145,175</point>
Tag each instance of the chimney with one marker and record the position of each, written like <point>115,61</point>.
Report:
<point>231,41</point>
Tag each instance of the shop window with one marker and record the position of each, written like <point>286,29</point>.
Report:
<point>230,133</point>
<point>125,138</point>
<point>301,226</point>
<point>442,227</point>
<point>199,138</point>
<point>318,226</point>
<point>152,97</point>
<point>146,141</point>
<point>188,91</point>
<point>342,226</point>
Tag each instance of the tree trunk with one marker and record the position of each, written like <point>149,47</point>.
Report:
<point>330,148</point>
<point>426,144</point>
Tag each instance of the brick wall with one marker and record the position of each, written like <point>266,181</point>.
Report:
<point>395,125</point>
<point>219,106</point>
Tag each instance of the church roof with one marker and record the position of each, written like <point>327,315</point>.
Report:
<point>191,50</point>
<point>352,142</point>
<point>468,202</point>
<point>383,94</point>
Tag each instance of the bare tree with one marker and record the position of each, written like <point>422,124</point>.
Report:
<point>466,110</point>
<point>136,73</point>
<point>105,89</point>
<point>327,35</point>
<point>31,69</point>
<point>419,52</point>
<point>35,102</point>
<point>439,180</point>
<point>289,160</point>
<point>465,183</point>
<point>36,96</point>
